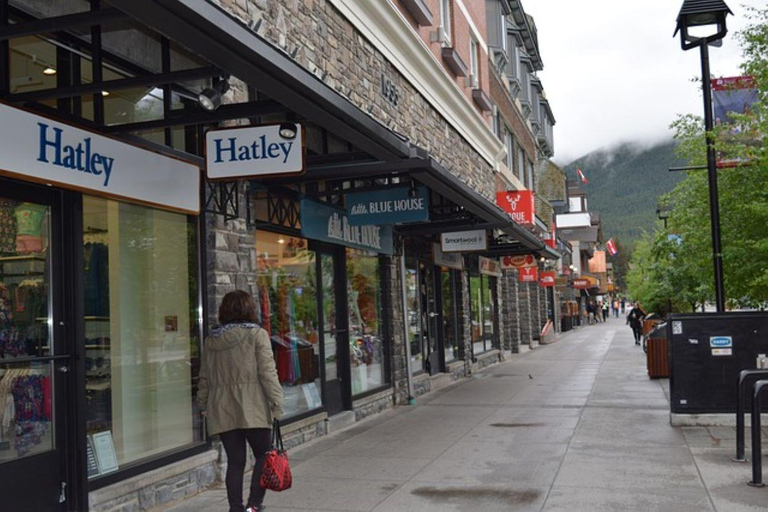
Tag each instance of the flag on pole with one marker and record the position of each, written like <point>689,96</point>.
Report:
<point>583,178</point>
<point>611,247</point>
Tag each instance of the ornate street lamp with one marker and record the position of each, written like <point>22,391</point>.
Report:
<point>701,23</point>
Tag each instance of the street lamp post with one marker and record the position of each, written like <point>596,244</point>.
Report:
<point>701,16</point>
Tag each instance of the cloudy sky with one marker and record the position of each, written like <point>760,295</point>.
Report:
<point>613,72</point>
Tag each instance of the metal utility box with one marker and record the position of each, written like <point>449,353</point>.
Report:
<point>707,352</point>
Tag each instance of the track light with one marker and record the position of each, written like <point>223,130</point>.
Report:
<point>413,192</point>
<point>288,130</point>
<point>210,98</point>
<point>49,71</point>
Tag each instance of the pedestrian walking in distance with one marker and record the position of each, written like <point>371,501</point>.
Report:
<point>635,321</point>
<point>240,394</point>
<point>605,310</point>
<point>616,308</point>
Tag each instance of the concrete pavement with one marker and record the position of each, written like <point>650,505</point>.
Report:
<point>575,425</point>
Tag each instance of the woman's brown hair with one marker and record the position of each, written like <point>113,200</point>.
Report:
<point>237,307</point>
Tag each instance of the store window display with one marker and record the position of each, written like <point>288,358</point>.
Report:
<point>142,331</point>
<point>414,322</point>
<point>365,321</point>
<point>450,328</point>
<point>288,310</point>
<point>26,407</point>
<point>482,313</point>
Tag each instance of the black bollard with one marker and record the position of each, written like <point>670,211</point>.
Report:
<point>745,378</point>
<point>757,459</point>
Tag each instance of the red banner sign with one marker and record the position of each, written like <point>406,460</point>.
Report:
<point>547,279</point>
<point>528,274</point>
<point>518,203</point>
<point>520,261</point>
<point>581,284</point>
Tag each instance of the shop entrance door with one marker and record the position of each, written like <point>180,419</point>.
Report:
<point>432,317</point>
<point>34,367</point>
<point>333,325</point>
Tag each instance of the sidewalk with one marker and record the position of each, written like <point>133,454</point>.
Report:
<point>576,425</point>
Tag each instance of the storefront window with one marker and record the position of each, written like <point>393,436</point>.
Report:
<point>414,317</point>
<point>365,321</point>
<point>451,346</point>
<point>482,313</point>
<point>26,406</point>
<point>142,346</point>
<point>287,299</point>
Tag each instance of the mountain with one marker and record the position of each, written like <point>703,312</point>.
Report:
<point>625,183</point>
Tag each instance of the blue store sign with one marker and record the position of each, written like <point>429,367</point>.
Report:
<point>389,206</point>
<point>327,224</point>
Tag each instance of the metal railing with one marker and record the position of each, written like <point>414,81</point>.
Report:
<point>746,378</point>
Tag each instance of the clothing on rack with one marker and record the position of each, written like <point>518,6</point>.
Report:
<point>8,228</point>
<point>25,408</point>
<point>29,227</point>
<point>96,279</point>
<point>11,344</point>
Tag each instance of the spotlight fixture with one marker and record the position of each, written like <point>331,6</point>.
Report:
<point>413,192</point>
<point>288,130</point>
<point>49,71</point>
<point>105,93</point>
<point>210,98</point>
<point>281,240</point>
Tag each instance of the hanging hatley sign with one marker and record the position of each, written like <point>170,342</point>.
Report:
<point>254,151</point>
<point>519,261</point>
<point>388,206</point>
<point>323,222</point>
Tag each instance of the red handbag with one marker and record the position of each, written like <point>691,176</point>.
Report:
<point>276,474</point>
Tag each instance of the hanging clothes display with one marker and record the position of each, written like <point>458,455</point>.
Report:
<point>10,343</point>
<point>29,226</point>
<point>7,226</point>
<point>25,409</point>
<point>96,279</point>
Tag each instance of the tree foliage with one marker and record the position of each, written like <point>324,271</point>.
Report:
<point>676,264</point>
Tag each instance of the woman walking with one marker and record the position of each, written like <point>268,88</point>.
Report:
<point>240,394</point>
<point>635,320</point>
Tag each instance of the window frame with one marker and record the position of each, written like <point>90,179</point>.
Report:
<point>445,20</point>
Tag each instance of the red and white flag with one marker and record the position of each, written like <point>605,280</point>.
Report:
<point>610,245</point>
<point>581,175</point>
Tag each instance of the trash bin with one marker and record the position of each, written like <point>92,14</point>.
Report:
<point>658,352</point>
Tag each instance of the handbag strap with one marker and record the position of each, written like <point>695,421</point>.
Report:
<point>277,436</point>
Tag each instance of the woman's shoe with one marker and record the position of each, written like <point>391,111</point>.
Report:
<point>260,508</point>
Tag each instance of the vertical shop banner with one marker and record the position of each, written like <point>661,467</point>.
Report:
<point>519,204</point>
<point>464,241</point>
<point>322,222</point>
<point>388,206</point>
<point>518,261</point>
<point>528,274</point>
<point>734,95</point>
<point>551,238</point>
<point>489,267</point>
<point>452,260</point>
<point>582,284</point>
<point>547,279</point>
<point>253,151</point>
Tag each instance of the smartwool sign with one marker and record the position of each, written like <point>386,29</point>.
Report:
<point>325,223</point>
<point>47,151</point>
<point>389,206</point>
<point>252,151</point>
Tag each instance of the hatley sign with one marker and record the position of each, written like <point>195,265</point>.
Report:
<point>252,151</point>
<point>49,152</point>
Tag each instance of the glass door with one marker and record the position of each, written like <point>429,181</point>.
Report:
<point>432,317</point>
<point>33,364</point>
<point>334,333</point>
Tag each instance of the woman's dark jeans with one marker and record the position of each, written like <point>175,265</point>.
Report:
<point>259,440</point>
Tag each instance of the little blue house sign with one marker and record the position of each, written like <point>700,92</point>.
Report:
<point>388,206</point>
<point>253,151</point>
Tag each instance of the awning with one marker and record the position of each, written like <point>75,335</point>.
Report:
<point>225,42</point>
